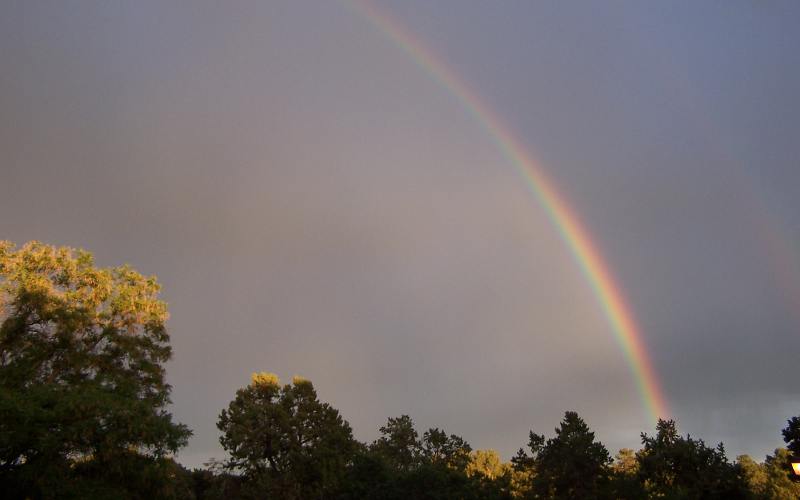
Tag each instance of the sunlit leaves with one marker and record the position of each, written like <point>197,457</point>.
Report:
<point>81,362</point>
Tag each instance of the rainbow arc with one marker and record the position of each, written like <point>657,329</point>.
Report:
<point>577,239</point>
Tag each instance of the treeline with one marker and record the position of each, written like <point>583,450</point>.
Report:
<point>284,443</point>
<point>83,415</point>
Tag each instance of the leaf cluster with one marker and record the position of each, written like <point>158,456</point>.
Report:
<point>285,441</point>
<point>82,381</point>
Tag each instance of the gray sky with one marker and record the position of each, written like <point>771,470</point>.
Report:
<point>315,203</point>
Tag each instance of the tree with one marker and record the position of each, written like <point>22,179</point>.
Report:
<point>624,477</point>
<point>770,479</point>
<point>486,463</point>
<point>439,448</point>
<point>287,443</point>
<point>754,475</point>
<point>673,466</point>
<point>82,383</point>
<point>399,465</point>
<point>625,462</point>
<point>493,477</point>
<point>571,464</point>
<point>399,443</point>
<point>523,466</point>
<point>791,435</point>
<point>780,484</point>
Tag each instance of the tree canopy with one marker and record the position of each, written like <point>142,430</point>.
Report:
<point>82,382</point>
<point>572,464</point>
<point>682,467</point>
<point>791,435</point>
<point>285,441</point>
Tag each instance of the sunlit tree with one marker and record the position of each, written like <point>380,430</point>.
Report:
<point>771,479</point>
<point>486,463</point>
<point>82,386</point>
<point>496,478</point>
<point>624,479</point>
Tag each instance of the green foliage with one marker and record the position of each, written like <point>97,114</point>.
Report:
<point>131,476</point>
<point>779,483</point>
<point>286,442</point>
<point>770,480</point>
<point>370,477</point>
<point>81,370</point>
<point>625,462</point>
<point>570,465</point>
<point>486,463</point>
<point>791,435</point>
<point>399,465</point>
<point>440,449</point>
<point>214,484</point>
<point>672,466</point>
<point>399,444</point>
<point>754,475</point>
<point>489,472</point>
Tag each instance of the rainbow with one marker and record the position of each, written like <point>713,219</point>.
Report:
<point>596,271</point>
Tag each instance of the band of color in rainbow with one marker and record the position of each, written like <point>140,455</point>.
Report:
<point>585,253</point>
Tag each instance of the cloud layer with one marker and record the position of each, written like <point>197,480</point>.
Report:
<point>315,204</point>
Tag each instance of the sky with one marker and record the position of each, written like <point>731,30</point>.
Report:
<point>315,202</point>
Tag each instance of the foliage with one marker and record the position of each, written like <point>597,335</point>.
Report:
<point>770,480</point>
<point>623,479</point>
<point>81,370</point>
<point>287,443</point>
<point>214,484</point>
<point>491,473</point>
<point>399,465</point>
<point>486,463</point>
<point>791,435</point>
<point>781,483</point>
<point>571,464</point>
<point>625,462</point>
<point>672,466</point>
<point>440,449</point>
<point>754,475</point>
<point>370,477</point>
<point>399,444</point>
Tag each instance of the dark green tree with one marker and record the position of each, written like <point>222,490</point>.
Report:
<point>399,465</point>
<point>672,466</point>
<point>440,471</point>
<point>82,384</point>
<point>214,483</point>
<point>570,465</point>
<point>791,435</point>
<point>440,449</point>
<point>370,477</point>
<point>399,444</point>
<point>285,441</point>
